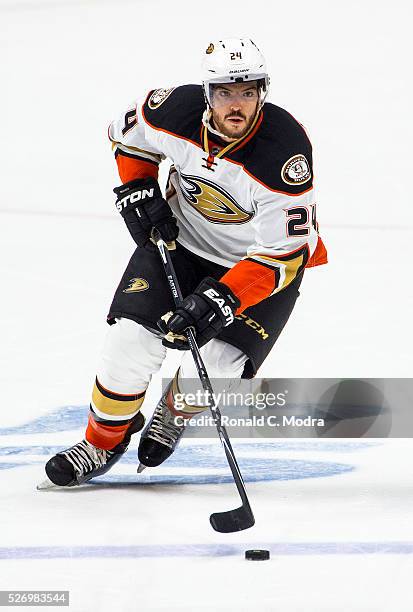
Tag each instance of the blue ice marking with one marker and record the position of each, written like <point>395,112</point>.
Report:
<point>254,467</point>
<point>257,459</point>
<point>65,418</point>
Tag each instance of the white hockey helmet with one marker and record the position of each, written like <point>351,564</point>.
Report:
<point>234,60</point>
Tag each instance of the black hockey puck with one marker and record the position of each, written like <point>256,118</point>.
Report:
<point>257,555</point>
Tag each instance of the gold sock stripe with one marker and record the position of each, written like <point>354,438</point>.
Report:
<point>115,407</point>
<point>186,408</point>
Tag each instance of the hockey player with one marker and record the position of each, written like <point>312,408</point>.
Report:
<point>239,216</point>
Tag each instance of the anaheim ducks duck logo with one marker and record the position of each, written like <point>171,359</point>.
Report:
<point>211,201</point>
<point>137,284</point>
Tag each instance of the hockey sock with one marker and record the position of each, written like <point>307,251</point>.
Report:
<point>181,403</point>
<point>110,416</point>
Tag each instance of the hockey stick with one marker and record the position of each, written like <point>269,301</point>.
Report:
<point>242,517</point>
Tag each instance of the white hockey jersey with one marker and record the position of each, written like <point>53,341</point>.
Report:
<point>248,205</point>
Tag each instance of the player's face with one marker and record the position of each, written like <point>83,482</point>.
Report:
<point>234,106</point>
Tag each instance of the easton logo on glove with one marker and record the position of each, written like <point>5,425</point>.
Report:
<point>135,196</point>
<point>225,309</point>
<point>143,208</point>
<point>209,309</point>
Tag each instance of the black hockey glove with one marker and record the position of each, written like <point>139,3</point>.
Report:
<point>142,206</point>
<point>209,309</point>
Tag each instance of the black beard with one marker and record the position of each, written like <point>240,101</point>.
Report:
<point>223,130</point>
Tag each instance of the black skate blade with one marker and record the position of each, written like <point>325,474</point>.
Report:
<point>233,520</point>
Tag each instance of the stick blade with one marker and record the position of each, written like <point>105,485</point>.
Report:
<point>233,520</point>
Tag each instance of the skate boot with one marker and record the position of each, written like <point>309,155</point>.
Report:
<point>84,461</point>
<point>161,436</point>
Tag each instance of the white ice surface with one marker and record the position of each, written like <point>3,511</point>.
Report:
<point>341,542</point>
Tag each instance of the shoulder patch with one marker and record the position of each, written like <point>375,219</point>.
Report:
<point>296,170</point>
<point>177,110</point>
<point>279,156</point>
<point>158,97</point>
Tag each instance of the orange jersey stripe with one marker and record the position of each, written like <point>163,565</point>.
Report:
<point>130,168</point>
<point>319,257</point>
<point>250,282</point>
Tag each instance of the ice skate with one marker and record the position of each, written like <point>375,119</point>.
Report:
<point>84,461</point>
<point>162,434</point>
